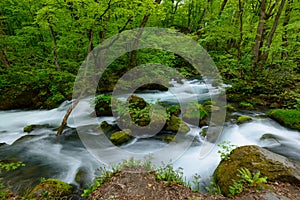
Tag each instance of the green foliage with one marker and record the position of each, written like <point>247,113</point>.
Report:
<point>246,180</point>
<point>246,105</point>
<point>6,167</point>
<point>226,149</point>
<point>10,166</point>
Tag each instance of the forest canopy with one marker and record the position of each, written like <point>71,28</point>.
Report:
<point>255,44</point>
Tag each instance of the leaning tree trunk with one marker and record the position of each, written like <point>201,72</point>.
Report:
<point>69,111</point>
<point>71,108</point>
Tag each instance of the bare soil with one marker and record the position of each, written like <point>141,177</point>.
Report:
<point>139,184</point>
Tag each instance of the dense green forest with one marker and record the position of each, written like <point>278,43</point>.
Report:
<point>255,45</point>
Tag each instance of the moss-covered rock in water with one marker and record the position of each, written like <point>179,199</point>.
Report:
<point>243,119</point>
<point>136,102</point>
<point>175,124</point>
<point>51,189</point>
<point>106,127</point>
<point>288,118</point>
<point>275,167</point>
<point>174,110</point>
<point>29,128</point>
<point>168,138</point>
<point>120,137</point>
<point>103,105</point>
<point>195,114</point>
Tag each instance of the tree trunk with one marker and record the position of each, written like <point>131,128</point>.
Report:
<point>4,59</point>
<point>240,38</point>
<point>201,19</point>
<point>288,10</point>
<point>259,34</point>
<point>271,34</point>
<point>222,7</point>
<point>133,55</point>
<point>54,48</point>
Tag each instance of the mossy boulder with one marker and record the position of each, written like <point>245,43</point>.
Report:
<point>195,114</point>
<point>175,124</point>
<point>275,167</point>
<point>120,137</point>
<point>51,189</point>
<point>288,118</point>
<point>242,119</point>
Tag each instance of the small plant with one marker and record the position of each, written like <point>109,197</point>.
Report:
<point>252,180</point>
<point>246,180</point>
<point>196,183</point>
<point>213,188</point>
<point>227,148</point>
<point>168,174</point>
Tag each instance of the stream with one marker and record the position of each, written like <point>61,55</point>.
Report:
<point>68,159</point>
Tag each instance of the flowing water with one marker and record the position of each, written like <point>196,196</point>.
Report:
<point>68,159</point>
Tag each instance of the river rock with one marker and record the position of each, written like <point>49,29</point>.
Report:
<point>120,137</point>
<point>51,189</point>
<point>175,124</point>
<point>275,167</point>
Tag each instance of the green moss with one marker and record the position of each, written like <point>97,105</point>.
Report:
<point>288,118</point>
<point>243,119</point>
<point>51,189</point>
<point>120,137</point>
<point>175,124</point>
<point>28,129</point>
